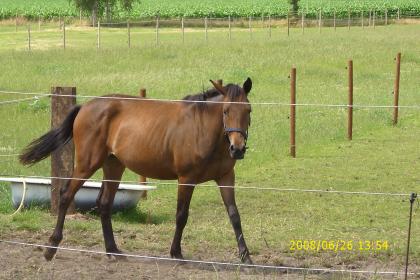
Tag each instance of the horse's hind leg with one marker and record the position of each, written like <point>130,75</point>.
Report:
<point>113,170</point>
<point>66,196</point>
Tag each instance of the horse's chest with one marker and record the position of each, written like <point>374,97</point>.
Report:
<point>206,168</point>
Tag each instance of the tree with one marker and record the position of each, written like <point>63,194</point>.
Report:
<point>295,5</point>
<point>97,8</point>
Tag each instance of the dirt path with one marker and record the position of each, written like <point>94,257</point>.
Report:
<point>27,262</point>
<point>21,262</point>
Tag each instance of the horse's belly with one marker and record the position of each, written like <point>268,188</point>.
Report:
<point>149,166</point>
<point>153,171</point>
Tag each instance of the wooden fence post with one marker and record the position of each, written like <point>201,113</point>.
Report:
<point>386,16</point>
<point>16,22</point>
<point>320,20</point>
<point>303,22</point>
<point>230,28</point>
<point>157,30</point>
<point>397,87</point>
<point>250,26</point>
<point>64,34</point>
<point>129,34</point>
<point>349,20</point>
<point>335,21</point>
<point>98,35</point>
<point>374,15</point>
<point>143,179</point>
<point>62,160</point>
<point>363,20</point>
<point>350,108</point>
<point>288,24</point>
<point>293,112</point>
<point>29,37</point>
<point>183,29</point>
<point>205,28</point>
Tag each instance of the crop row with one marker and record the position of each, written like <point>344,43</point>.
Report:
<point>47,9</point>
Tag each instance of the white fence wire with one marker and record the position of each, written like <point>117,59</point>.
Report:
<point>274,189</point>
<point>215,263</point>
<point>134,98</point>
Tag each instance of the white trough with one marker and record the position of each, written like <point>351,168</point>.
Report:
<point>38,192</point>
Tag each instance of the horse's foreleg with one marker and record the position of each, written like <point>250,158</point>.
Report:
<point>113,171</point>
<point>184,198</point>
<point>66,196</point>
<point>228,196</point>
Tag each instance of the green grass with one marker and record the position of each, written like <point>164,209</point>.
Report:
<point>381,158</point>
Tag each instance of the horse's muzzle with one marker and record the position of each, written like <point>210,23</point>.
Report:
<point>236,153</point>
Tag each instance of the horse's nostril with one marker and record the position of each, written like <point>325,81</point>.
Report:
<point>231,148</point>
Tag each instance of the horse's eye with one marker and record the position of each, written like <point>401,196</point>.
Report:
<point>225,113</point>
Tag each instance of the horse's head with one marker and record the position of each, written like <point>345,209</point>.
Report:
<point>236,116</point>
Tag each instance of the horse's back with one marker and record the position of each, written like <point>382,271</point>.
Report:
<point>137,131</point>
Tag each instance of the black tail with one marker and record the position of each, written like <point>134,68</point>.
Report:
<point>42,147</point>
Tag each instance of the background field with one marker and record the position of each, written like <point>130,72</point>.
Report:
<point>213,8</point>
<point>382,158</point>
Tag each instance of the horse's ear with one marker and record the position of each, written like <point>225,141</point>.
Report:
<point>219,87</point>
<point>247,85</point>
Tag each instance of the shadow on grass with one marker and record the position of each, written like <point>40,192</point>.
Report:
<point>133,216</point>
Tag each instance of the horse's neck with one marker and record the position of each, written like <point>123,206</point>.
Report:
<point>207,124</point>
<point>211,119</point>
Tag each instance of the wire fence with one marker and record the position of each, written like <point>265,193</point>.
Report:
<point>159,183</point>
<point>215,263</point>
<point>37,95</point>
<point>367,16</point>
<point>283,104</point>
<point>269,25</point>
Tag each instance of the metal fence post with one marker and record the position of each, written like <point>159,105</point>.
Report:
<point>413,197</point>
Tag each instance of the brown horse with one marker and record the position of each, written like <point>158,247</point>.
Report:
<point>192,141</point>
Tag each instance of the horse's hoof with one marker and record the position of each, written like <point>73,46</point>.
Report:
<point>247,260</point>
<point>49,253</point>
<point>116,255</point>
<point>177,255</point>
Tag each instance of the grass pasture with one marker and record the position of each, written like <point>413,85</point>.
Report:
<point>381,158</point>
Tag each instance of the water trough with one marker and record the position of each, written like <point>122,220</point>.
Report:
<point>38,192</point>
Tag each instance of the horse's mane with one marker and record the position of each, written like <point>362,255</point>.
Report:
<point>234,91</point>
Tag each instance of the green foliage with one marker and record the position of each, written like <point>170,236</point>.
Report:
<point>89,5</point>
<point>295,5</point>
<point>5,199</point>
<point>191,8</point>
